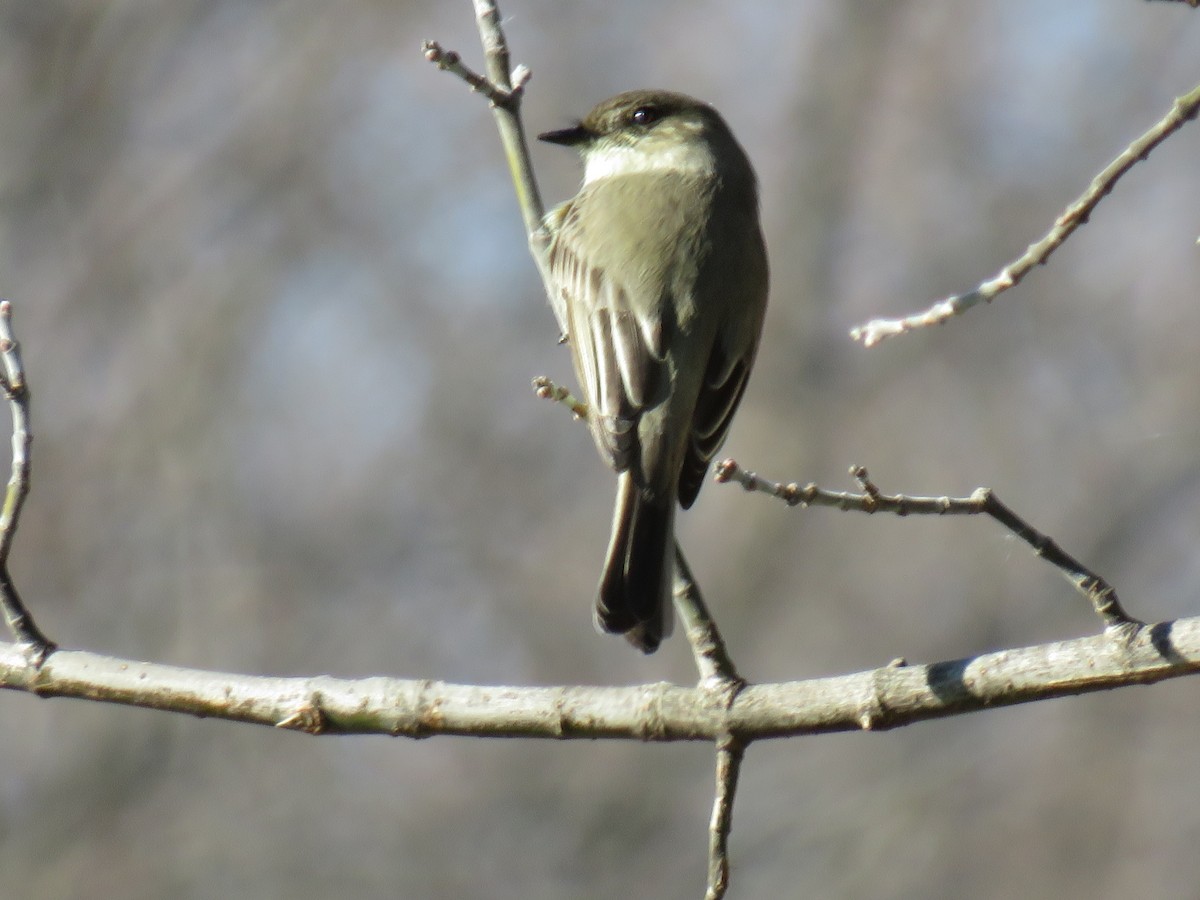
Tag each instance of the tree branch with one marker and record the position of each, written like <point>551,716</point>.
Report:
<point>983,501</point>
<point>890,697</point>
<point>730,752</point>
<point>18,618</point>
<point>717,671</point>
<point>1184,109</point>
<point>504,91</point>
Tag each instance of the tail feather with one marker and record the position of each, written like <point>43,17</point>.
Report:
<point>634,597</point>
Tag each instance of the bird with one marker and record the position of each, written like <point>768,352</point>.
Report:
<point>660,263</point>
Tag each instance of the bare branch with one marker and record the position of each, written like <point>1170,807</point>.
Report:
<point>730,752</point>
<point>983,501</point>
<point>504,89</point>
<point>717,671</point>
<point>450,61</point>
<point>13,383</point>
<point>1184,109</point>
<point>888,697</point>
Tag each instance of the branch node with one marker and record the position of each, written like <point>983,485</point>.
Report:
<point>545,389</point>
<point>724,470</point>
<point>521,76</point>
<point>36,653</point>
<point>451,61</point>
<point>308,718</point>
<point>1125,632</point>
<point>792,494</point>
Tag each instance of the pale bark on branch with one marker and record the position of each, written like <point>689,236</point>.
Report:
<point>894,695</point>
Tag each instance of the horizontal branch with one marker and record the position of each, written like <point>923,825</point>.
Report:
<point>889,697</point>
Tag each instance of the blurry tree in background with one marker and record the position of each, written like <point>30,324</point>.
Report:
<point>280,321</point>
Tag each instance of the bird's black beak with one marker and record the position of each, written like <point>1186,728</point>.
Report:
<point>568,137</point>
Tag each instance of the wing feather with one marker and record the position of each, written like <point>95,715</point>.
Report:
<point>618,353</point>
<point>724,383</point>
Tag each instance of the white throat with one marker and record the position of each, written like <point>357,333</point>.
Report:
<point>680,157</point>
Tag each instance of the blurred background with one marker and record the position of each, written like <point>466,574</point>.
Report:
<point>280,325</point>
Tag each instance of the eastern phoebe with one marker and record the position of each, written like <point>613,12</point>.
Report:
<point>661,263</point>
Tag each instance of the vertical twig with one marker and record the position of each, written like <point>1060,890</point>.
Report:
<point>708,647</point>
<point>730,751</point>
<point>18,618</point>
<point>516,148</point>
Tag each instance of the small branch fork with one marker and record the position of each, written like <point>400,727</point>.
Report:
<point>450,61</point>
<point>1184,109</point>
<point>730,753</point>
<point>504,89</point>
<point>545,389</point>
<point>982,501</point>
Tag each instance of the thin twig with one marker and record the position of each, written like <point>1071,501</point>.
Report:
<point>15,388</point>
<point>1098,592</point>
<point>730,752</point>
<point>504,90</point>
<point>1184,109</point>
<point>450,61</point>
<point>717,671</point>
<point>546,389</point>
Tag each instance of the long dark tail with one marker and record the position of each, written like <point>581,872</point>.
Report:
<point>634,598</point>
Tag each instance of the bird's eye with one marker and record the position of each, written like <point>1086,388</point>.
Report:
<point>644,115</point>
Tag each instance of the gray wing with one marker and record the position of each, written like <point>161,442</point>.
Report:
<point>724,383</point>
<point>727,370</point>
<point>619,355</point>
